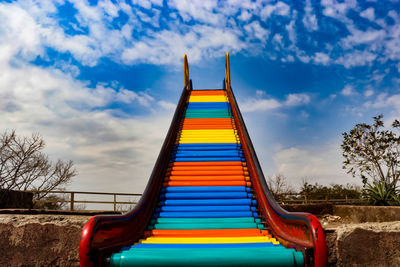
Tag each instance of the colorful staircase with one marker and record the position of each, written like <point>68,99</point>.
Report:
<point>207,203</point>
<point>207,214</point>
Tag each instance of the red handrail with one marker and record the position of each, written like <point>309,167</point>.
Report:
<point>105,234</point>
<point>302,231</point>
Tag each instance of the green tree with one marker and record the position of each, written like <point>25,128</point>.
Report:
<point>333,191</point>
<point>372,153</point>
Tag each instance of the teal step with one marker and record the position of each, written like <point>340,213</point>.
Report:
<point>265,256</point>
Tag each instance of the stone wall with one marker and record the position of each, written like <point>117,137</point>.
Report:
<point>53,240</point>
<point>361,214</point>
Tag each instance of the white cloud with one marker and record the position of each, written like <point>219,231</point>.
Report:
<point>34,27</point>
<point>372,37</point>
<point>147,3</point>
<point>254,29</point>
<point>31,34</point>
<point>297,100</point>
<point>376,45</point>
<point>322,164</point>
<point>368,93</point>
<point>259,103</point>
<point>385,101</point>
<point>392,46</point>
<point>302,56</point>
<point>245,15</point>
<point>277,39</point>
<point>336,9</point>
<point>348,90</point>
<point>310,19</point>
<point>322,58</point>
<point>280,8</point>
<point>167,105</point>
<point>203,11</point>
<point>260,93</point>
<point>292,32</point>
<point>76,124</point>
<point>253,104</point>
<point>167,47</point>
<point>356,58</point>
<point>369,13</point>
<point>363,47</point>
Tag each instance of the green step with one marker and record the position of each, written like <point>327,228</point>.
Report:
<point>265,256</point>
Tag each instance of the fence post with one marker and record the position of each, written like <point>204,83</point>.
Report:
<point>72,201</point>
<point>115,202</point>
<point>305,198</point>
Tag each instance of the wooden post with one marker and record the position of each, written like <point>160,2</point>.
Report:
<point>115,202</point>
<point>72,201</point>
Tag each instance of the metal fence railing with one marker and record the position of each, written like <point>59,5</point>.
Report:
<point>116,203</point>
<point>71,198</point>
<point>298,198</point>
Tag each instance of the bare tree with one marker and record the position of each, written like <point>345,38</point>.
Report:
<point>278,186</point>
<point>23,165</point>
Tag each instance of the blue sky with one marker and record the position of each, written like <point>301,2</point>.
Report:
<point>100,79</point>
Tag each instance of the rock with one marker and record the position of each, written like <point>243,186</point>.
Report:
<point>40,240</point>
<point>331,237</point>
<point>367,244</point>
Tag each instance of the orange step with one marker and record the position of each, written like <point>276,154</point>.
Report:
<point>208,92</point>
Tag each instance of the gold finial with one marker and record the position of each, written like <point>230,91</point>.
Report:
<point>186,71</point>
<point>227,71</point>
